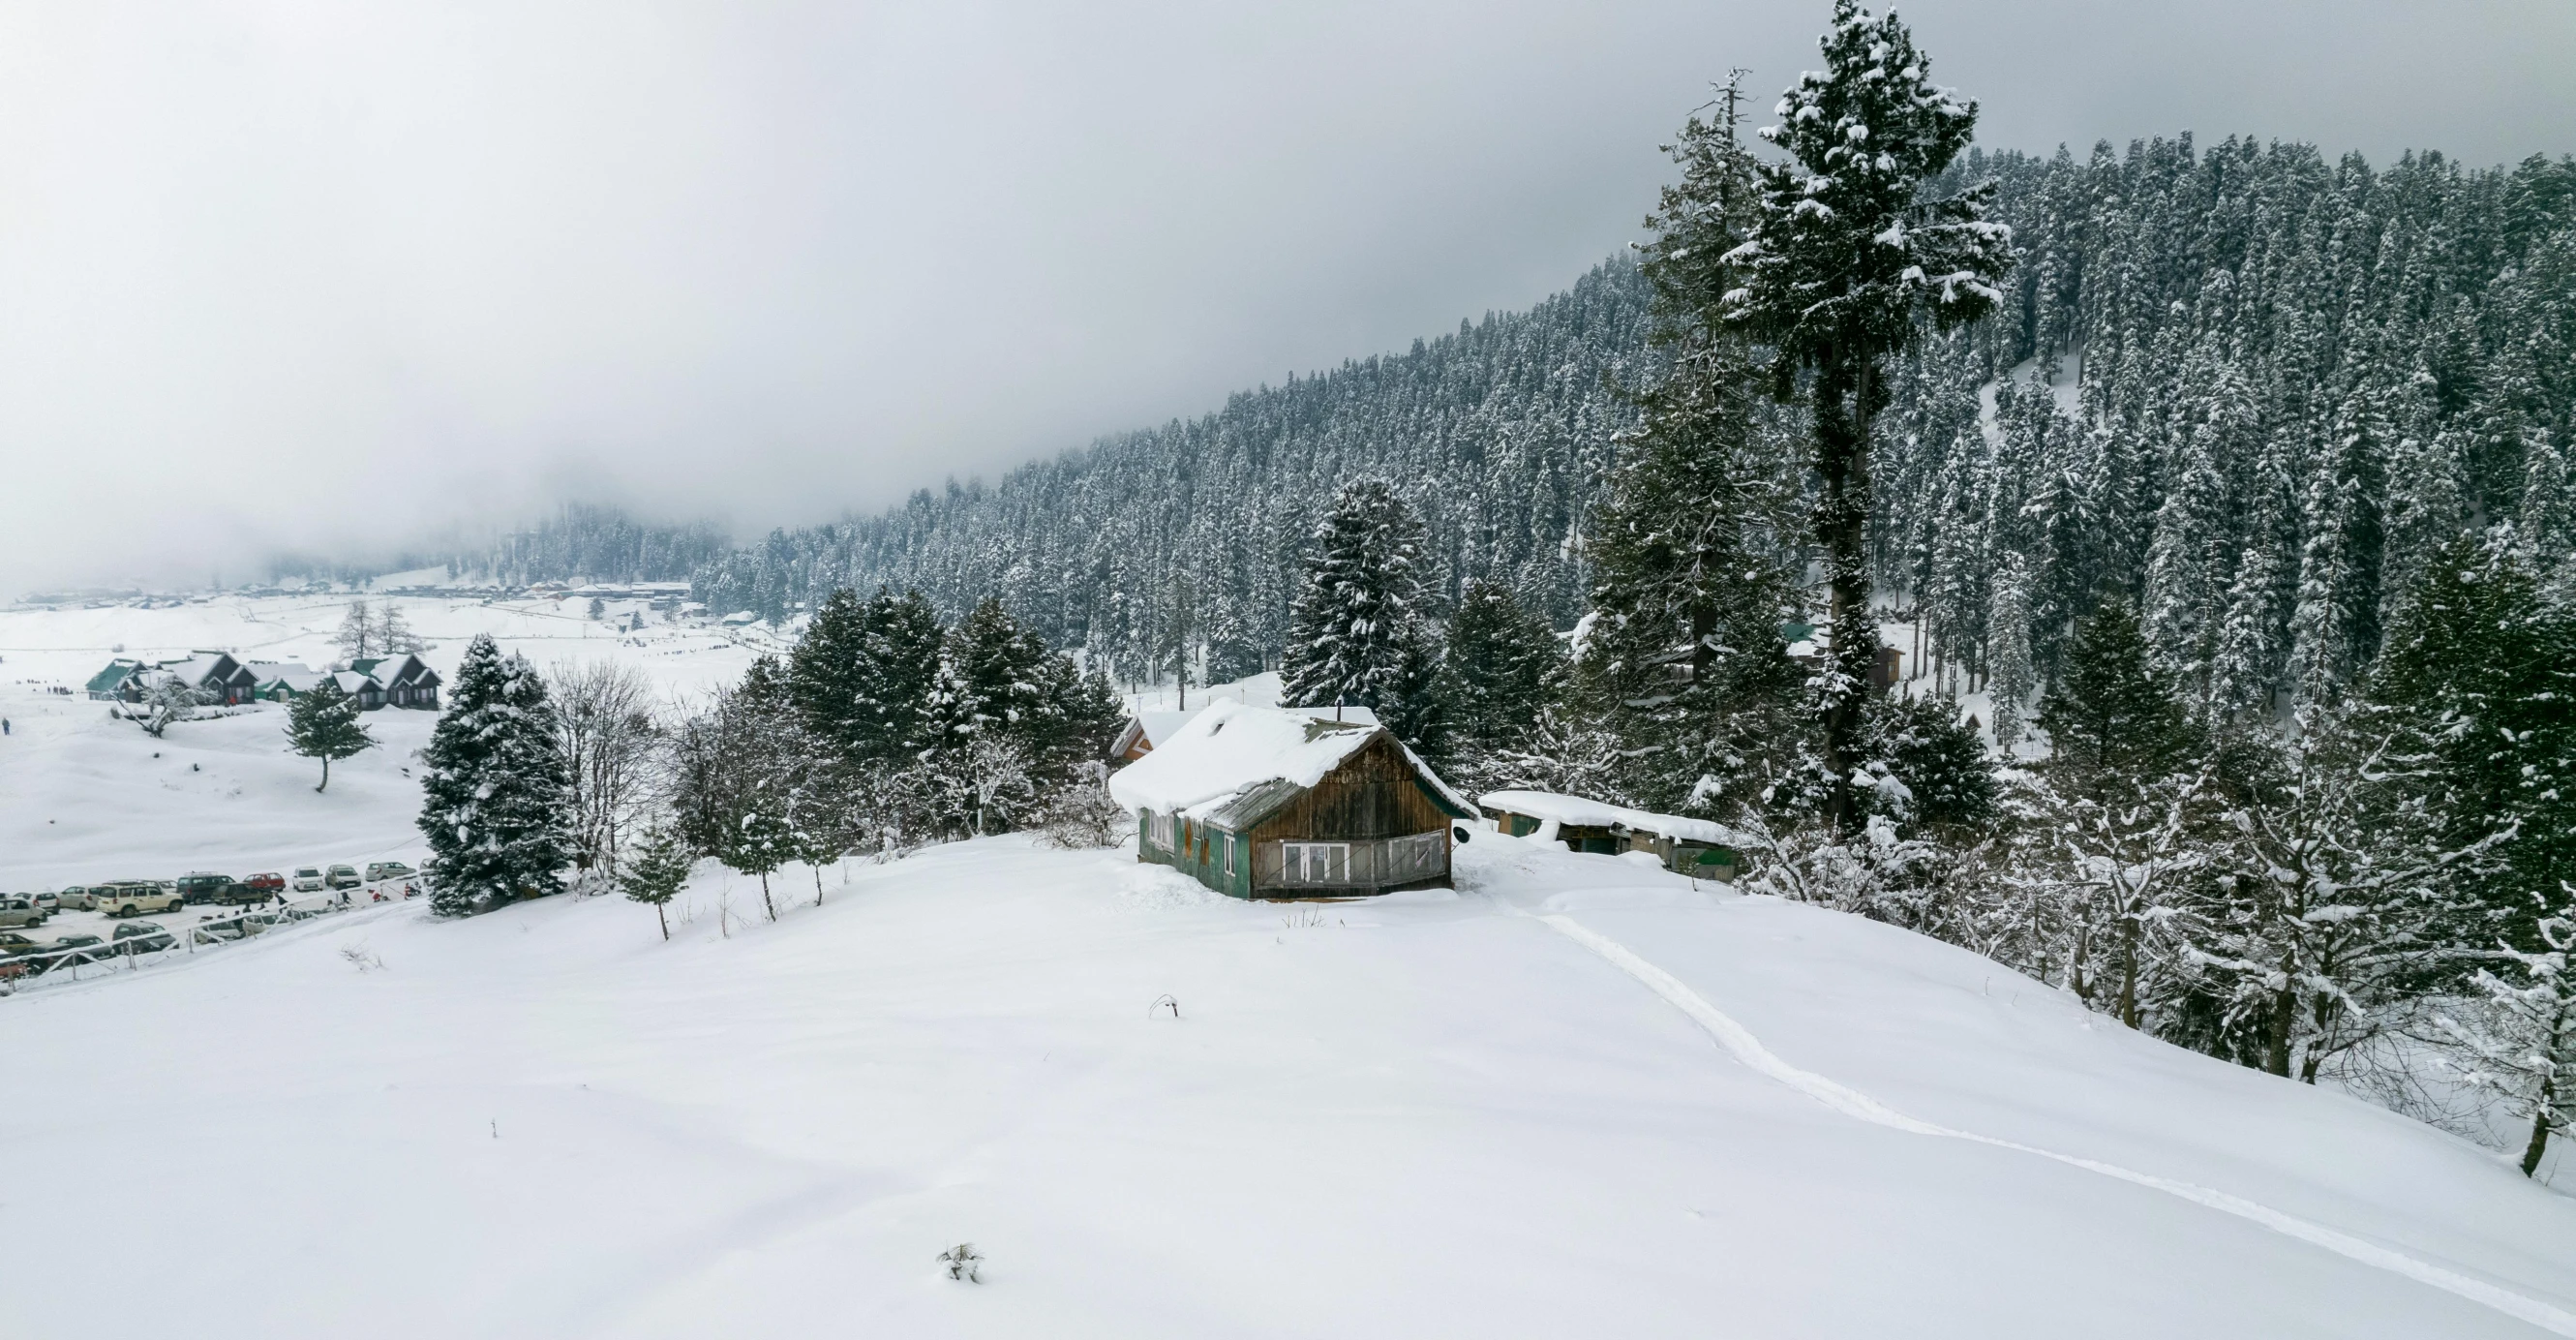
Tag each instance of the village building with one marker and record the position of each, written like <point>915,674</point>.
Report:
<point>1700,848</point>
<point>298,681</point>
<point>1807,648</point>
<point>1255,802</point>
<point>406,680</point>
<point>119,682</point>
<point>1145,729</point>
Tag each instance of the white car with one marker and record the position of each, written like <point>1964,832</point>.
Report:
<point>308,879</point>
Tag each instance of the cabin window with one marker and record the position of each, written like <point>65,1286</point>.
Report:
<point>1225,841</point>
<point>1316,862</point>
<point>1163,833</point>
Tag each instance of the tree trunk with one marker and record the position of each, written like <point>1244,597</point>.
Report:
<point>2539,1127</point>
<point>817,868</point>
<point>664,918</point>
<point>2129,971</point>
<point>2276,1030</point>
<point>770,907</point>
<point>1842,411</point>
<point>326,775</point>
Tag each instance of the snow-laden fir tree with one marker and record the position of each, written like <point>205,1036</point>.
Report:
<point>1681,657</point>
<point>494,787</point>
<point>2010,677</point>
<point>657,872</point>
<point>1501,667</point>
<point>2113,718</point>
<point>1848,258</point>
<point>323,723</point>
<point>1359,635</point>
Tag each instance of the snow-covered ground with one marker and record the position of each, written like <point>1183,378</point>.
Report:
<point>84,798</point>
<point>1580,1097</point>
<point>1577,1097</point>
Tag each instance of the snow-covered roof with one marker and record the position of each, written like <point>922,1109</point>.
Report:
<point>353,680</point>
<point>1158,726</point>
<point>1227,752</point>
<point>1548,806</point>
<point>266,672</point>
<point>195,670</point>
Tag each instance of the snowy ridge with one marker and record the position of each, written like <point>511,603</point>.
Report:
<point>1747,1049</point>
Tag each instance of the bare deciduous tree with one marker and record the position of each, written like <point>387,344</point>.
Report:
<point>610,741</point>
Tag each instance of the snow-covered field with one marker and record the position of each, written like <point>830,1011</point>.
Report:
<point>1576,1097</point>
<point>84,798</point>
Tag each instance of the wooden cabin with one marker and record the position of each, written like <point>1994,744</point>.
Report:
<point>1255,802</point>
<point>1700,848</point>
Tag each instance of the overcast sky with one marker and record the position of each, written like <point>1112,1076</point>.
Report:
<point>320,275</point>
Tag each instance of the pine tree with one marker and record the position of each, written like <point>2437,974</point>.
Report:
<point>763,837</point>
<point>1847,259</point>
<point>2480,667</point>
<point>897,672</point>
<point>1357,637</point>
<point>494,787</point>
<point>1500,668</point>
<point>658,872</point>
<point>323,723</point>
<point>2010,677</point>
<point>2113,715</point>
<point>825,675</point>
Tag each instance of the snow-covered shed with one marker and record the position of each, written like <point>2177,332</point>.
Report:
<point>1702,848</point>
<point>1256,802</point>
<point>1144,730</point>
<point>294,682</point>
<point>215,674</point>
<point>118,681</point>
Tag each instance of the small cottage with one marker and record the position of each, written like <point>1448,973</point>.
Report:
<point>1700,848</point>
<point>294,683</point>
<point>120,681</point>
<point>1146,729</point>
<point>1255,802</point>
<point>407,680</point>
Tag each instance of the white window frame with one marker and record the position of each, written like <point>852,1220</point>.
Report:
<point>1164,823</point>
<point>1226,840</point>
<point>1297,859</point>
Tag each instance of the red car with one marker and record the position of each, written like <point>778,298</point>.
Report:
<point>267,881</point>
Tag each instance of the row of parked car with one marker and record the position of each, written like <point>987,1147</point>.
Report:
<point>134,897</point>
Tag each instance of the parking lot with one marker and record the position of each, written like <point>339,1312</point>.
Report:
<point>182,925</point>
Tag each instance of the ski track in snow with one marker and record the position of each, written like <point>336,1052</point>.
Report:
<point>1741,1044</point>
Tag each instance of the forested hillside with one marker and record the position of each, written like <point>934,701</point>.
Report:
<point>2296,375</point>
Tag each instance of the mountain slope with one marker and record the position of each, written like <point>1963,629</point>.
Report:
<point>1420,1115</point>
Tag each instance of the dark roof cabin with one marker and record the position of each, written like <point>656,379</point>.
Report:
<point>117,681</point>
<point>408,681</point>
<point>1259,803</point>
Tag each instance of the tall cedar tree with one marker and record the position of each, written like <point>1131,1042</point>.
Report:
<point>495,787</point>
<point>323,723</point>
<point>1846,260</point>
<point>2480,667</point>
<point>1502,667</point>
<point>1358,633</point>
<point>898,668</point>
<point>2113,715</point>
<point>1682,654</point>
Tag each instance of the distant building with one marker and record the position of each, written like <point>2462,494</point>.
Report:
<point>1701,848</point>
<point>118,682</point>
<point>1255,802</point>
<point>406,680</point>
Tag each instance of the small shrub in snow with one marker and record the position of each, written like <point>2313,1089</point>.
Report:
<point>1083,817</point>
<point>361,958</point>
<point>963,1262</point>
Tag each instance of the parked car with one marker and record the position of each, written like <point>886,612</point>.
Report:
<point>216,932</point>
<point>200,887</point>
<point>48,903</point>
<point>21,911</point>
<point>308,879</point>
<point>134,897</point>
<point>143,937</point>
<point>76,898</point>
<point>267,881</point>
<point>242,895</point>
<point>377,870</point>
<point>342,877</point>
<point>68,950</point>
<point>12,944</point>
